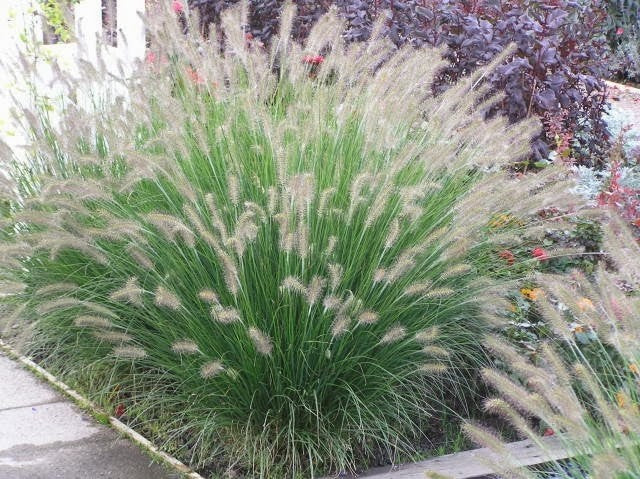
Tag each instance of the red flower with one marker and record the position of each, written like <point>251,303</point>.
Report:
<point>177,6</point>
<point>313,59</point>
<point>540,254</point>
<point>548,432</point>
<point>508,256</point>
<point>119,411</point>
<point>619,31</point>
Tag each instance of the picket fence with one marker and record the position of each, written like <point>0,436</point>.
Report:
<point>21,27</point>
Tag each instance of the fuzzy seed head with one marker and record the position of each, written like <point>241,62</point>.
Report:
<point>131,293</point>
<point>433,368</point>
<point>439,293</point>
<point>261,341</point>
<point>211,369</point>
<point>112,336</point>
<point>56,288</point>
<point>185,346</point>
<point>167,299</point>
<point>368,317</point>
<point>394,334</point>
<point>209,296</point>
<point>315,289</point>
<point>418,289</point>
<point>91,321</point>
<point>129,352</point>
<point>339,326</point>
<point>335,275</point>
<point>225,315</point>
<point>428,335</point>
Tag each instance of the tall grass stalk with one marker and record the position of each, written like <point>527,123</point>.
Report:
<point>585,389</point>
<point>273,259</point>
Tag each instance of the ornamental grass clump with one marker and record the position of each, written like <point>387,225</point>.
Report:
<point>584,390</point>
<point>271,263</point>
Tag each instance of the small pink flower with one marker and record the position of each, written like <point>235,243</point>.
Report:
<point>548,432</point>
<point>151,58</point>
<point>619,31</point>
<point>540,254</point>
<point>177,6</point>
<point>195,76</point>
<point>313,59</point>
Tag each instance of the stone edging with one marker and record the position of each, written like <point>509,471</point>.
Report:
<point>116,424</point>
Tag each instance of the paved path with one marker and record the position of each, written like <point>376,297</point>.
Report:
<point>44,436</point>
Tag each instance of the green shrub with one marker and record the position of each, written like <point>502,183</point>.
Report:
<point>585,389</point>
<point>269,261</point>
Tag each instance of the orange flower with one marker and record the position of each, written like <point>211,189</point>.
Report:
<point>634,368</point>
<point>621,399</point>
<point>585,304</point>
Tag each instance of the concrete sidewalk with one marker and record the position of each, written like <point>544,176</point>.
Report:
<point>43,435</point>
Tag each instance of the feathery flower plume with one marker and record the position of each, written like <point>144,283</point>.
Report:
<point>435,351</point>
<point>456,270</point>
<point>171,227</point>
<point>331,302</point>
<point>379,275</point>
<point>335,275</point>
<point>291,283</point>
<point>216,219</point>
<point>433,368</point>
<point>225,315</point>
<point>428,335</point>
<point>315,289</point>
<point>368,317</point>
<point>331,245</point>
<point>211,369</point>
<point>261,341</point>
<point>166,298</point>
<point>339,326</point>
<point>392,235</point>
<point>234,189</point>
<point>209,296</point>
<point>185,346</point>
<point>439,293</point>
<point>140,257</point>
<point>113,336</point>
<point>91,321</point>
<point>56,288</point>
<point>129,352</point>
<point>325,197</point>
<point>131,292</point>
<point>418,289</point>
<point>57,304</point>
<point>395,333</point>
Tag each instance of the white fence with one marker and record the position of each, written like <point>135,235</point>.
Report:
<point>22,33</point>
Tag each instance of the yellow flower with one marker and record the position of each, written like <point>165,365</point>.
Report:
<point>513,308</point>
<point>532,294</point>
<point>634,368</point>
<point>621,399</point>
<point>585,304</point>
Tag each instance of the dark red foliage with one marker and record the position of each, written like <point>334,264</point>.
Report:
<point>558,64</point>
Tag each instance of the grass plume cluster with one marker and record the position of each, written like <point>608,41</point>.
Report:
<point>275,257</point>
<point>586,391</point>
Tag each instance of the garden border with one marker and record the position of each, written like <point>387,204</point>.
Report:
<point>95,410</point>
